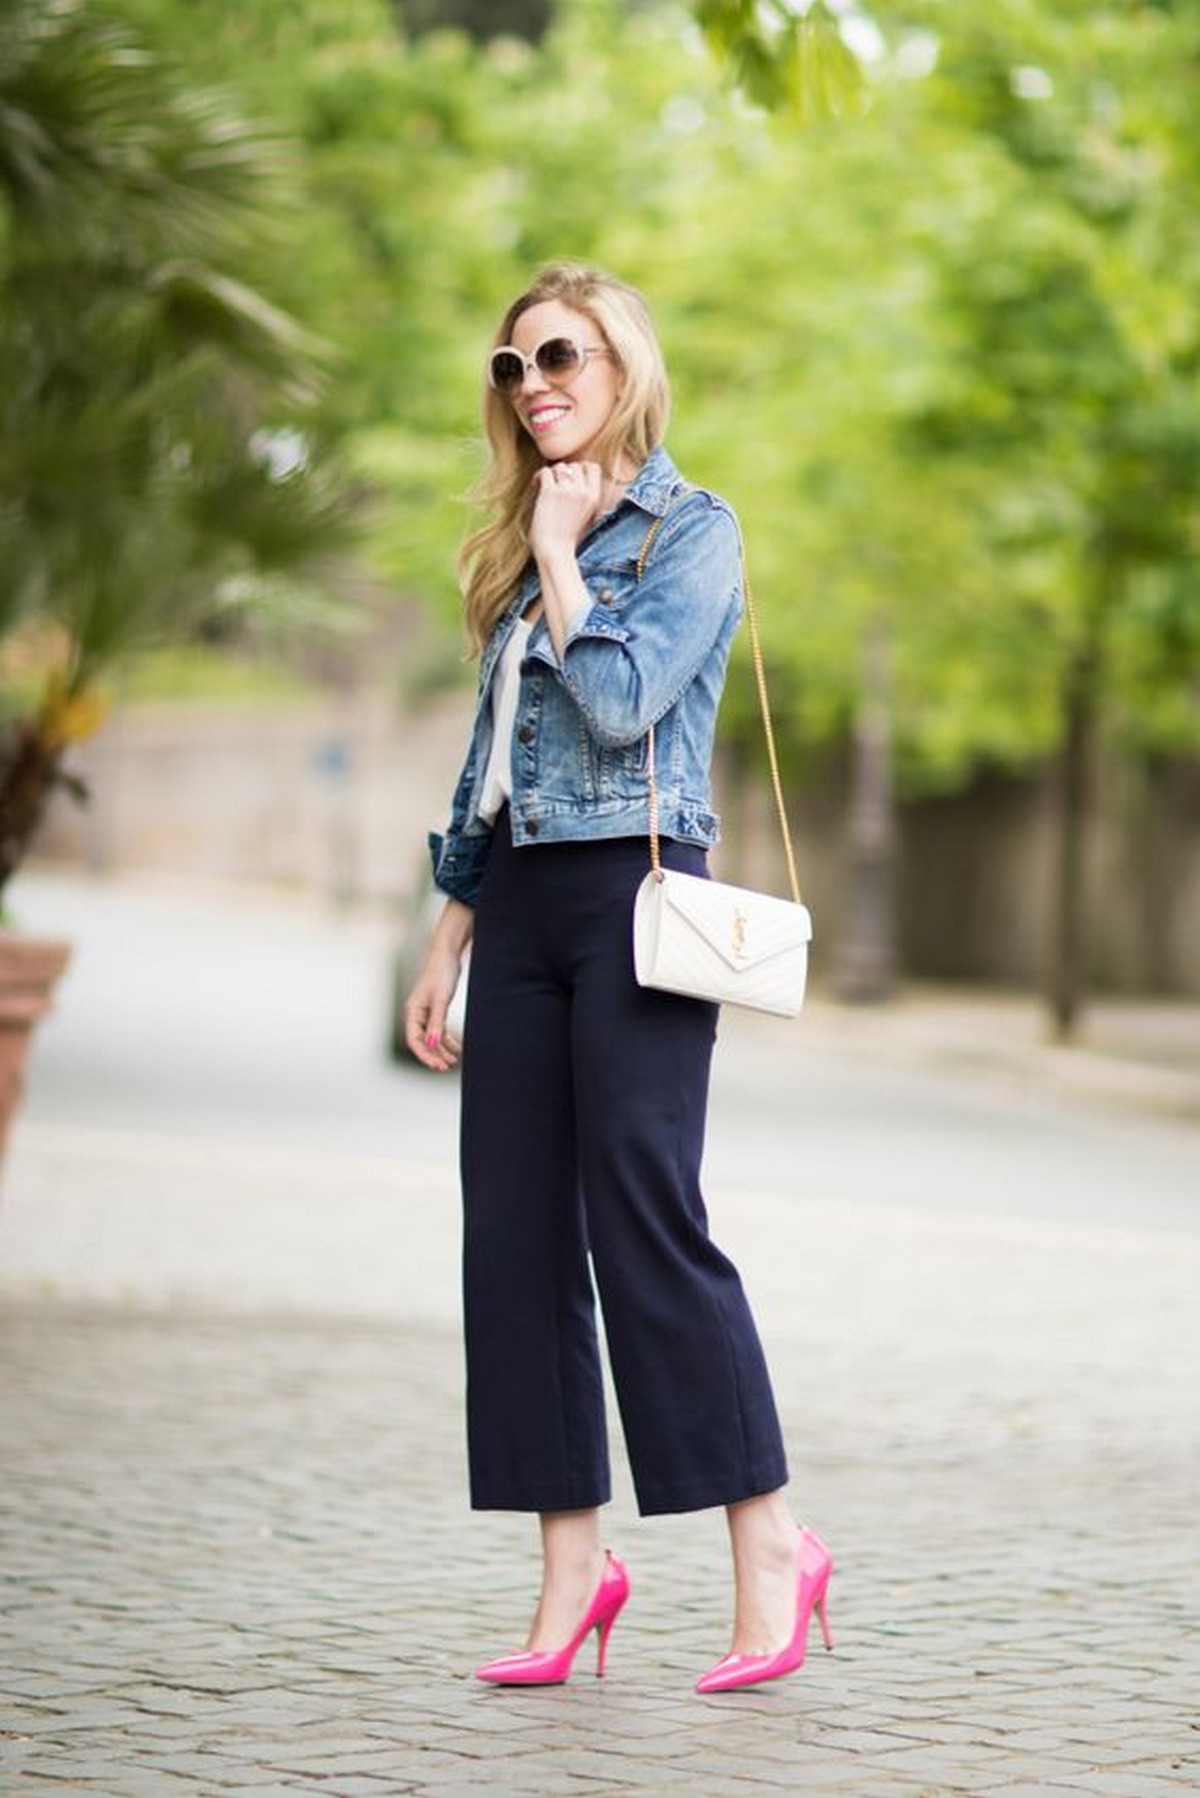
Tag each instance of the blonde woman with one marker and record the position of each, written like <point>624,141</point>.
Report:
<point>584,1094</point>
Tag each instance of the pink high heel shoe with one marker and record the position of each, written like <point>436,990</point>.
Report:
<point>815,1564</point>
<point>553,1667</point>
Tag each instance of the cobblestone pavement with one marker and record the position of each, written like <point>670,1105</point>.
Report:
<point>235,1554</point>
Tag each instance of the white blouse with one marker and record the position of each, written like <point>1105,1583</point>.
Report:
<point>506,682</point>
<point>506,685</point>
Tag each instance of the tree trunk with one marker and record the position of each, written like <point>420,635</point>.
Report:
<point>1068,968</point>
<point>30,773</point>
<point>1153,843</point>
<point>867,958</point>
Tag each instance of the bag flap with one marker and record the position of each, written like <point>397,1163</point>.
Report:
<point>743,927</point>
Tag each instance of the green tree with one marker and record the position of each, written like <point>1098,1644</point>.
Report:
<point>939,351</point>
<point>1068,284</point>
<point>790,58</point>
<point>153,456</point>
<point>1040,205</point>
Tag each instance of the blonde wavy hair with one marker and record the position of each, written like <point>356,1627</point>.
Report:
<point>493,557</point>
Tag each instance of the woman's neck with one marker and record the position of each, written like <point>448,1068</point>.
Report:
<point>616,481</point>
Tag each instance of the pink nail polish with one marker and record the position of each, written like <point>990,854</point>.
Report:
<point>431,1041</point>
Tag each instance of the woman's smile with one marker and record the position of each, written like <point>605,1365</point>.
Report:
<point>545,414</point>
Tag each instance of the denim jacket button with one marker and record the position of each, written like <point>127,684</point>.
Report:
<point>525,734</point>
<point>532,826</point>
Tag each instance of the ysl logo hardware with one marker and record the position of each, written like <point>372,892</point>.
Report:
<point>739,933</point>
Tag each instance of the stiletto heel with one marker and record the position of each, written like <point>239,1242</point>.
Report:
<point>823,1615</point>
<point>604,1631</point>
<point>553,1667</point>
<point>814,1566</point>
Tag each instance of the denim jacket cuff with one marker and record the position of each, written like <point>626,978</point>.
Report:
<point>458,864</point>
<point>594,621</point>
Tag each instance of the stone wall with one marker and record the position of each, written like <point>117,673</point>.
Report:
<point>337,796</point>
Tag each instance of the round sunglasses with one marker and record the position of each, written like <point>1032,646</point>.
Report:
<point>557,360</point>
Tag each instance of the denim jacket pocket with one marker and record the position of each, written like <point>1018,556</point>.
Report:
<point>612,773</point>
<point>612,583</point>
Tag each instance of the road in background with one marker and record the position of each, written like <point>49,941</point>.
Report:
<point>237,1553</point>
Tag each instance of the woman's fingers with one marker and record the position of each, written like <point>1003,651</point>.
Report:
<point>569,493</point>
<point>414,1031</point>
<point>425,1030</point>
<point>435,1022</point>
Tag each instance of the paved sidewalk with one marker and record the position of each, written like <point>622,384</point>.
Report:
<point>234,1550</point>
<point>237,1556</point>
<point>1138,1053</point>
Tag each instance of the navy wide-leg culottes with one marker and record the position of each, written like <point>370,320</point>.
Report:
<point>582,1131</point>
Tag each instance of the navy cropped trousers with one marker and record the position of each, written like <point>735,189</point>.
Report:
<point>582,1130</point>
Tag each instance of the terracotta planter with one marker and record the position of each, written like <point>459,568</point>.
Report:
<point>29,968</point>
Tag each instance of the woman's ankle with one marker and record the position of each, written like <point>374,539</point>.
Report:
<point>571,1546</point>
<point>763,1525</point>
<point>573,1567</point>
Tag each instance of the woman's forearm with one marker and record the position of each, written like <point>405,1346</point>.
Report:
<point>455,927</point>
<point>624,674</point>
<point>563,592</point>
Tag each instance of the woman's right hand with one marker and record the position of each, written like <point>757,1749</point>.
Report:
<point>569,498</point>
<point>426,1006</point>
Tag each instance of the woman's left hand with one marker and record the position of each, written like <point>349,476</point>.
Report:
<point>569,497</point>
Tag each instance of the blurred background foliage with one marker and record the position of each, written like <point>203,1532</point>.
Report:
<point>938,342</point>
<point>927,277</point>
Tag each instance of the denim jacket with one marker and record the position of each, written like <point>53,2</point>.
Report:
<point>648,651</point>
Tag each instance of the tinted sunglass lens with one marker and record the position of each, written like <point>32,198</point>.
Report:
<point>558,356</point>
<point>507,371</point>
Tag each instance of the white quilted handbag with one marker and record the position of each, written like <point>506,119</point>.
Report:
<point>713,941</point>
<point>706,939</point>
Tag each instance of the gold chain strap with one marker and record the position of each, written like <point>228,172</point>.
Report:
<point>651,534</point>
<point>764,704</point>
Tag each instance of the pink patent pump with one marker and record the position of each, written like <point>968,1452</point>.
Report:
<point>553,1667</point>
<point>814,1566</point>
